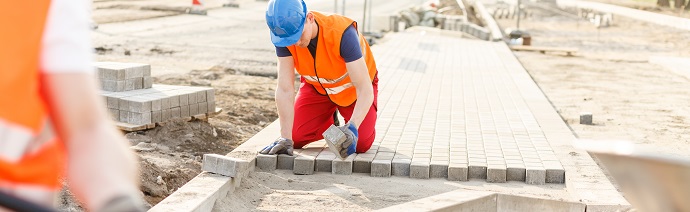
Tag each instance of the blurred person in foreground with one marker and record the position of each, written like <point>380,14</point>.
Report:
<point>53,124</point>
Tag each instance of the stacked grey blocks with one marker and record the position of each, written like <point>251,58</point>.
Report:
<point>118,77</point>
<point>148,103</point>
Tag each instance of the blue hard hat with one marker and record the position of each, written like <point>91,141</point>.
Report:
<point>285,19</point>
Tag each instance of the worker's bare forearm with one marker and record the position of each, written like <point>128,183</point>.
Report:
<point>359,74</point>
<point>101,166</point>
<point>285,95</point>
<point>285,102</point>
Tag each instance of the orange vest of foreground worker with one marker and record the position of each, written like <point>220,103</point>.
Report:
<point>328,73</point>
<point>30,154</point>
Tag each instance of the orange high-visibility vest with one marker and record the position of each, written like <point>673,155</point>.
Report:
<point>23,113</point>
<point>328,74</point>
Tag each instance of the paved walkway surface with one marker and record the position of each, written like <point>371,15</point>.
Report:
<point>650,17</point>
<point>448,108</point>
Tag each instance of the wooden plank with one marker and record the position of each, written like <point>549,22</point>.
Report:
<point>127,127</point>
<point>544,49</point>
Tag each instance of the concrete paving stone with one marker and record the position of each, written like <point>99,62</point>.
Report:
<point>201,96</point>
<point>222,165</point>
<point>343,166</point>
<point>203,107</point>
<point>285,161</point>
<point>266,162</point>
<point>191,95</point>
<point>381,168</point>
<point>129,84</point>
<point>419,170</point>
<point>124,116</point>
<point>138,104</point>
<point>174,100</point>
<point>362,163</point>
<point>211,107</point>
<point>304,165</point>
<point>114,113</point>
<point>148,81</point>
<point>175,112</point>
<point>164,101</point>
<point>535,176</point>
<point>554,172</point>
<point>113,102</point>
<point>496,174</point>
<point>112,85</point>
<point>123,104</point>
<point>194,109</point>
<point>515,172</point>
<point>165,115</point>
<point>138,83</point>
<point>400,166</point>
<point>156,116</point>
<point>155,103</point>
<point>184,111</point>
<point>139,118</point>
<point>211,95</point>
<point>324,161</point>
<point>438,169</point>
<point>476,171</point>
<point>184,98</point>
<point>457,172</point>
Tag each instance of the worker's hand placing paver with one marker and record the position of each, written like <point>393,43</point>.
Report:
<point>342,140</point>
<point>280,146</point>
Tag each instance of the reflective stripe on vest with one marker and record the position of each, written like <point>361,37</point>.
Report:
<point>30,155</point>
<point>326,70</point>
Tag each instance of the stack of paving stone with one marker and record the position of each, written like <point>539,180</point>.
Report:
<point>149,103</point>
<point>118,77</point>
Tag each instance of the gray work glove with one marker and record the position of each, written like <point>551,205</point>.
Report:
<point>280,146</point>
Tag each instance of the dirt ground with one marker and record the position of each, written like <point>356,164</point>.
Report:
<point>610,76</point>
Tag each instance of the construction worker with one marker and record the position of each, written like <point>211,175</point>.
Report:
<point>337,71</point>
<point>53,123</point>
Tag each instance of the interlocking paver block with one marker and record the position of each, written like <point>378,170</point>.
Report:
<point>193,109</point>
<point>266,162</point>
<point>324,161</point>
<point>381,165</point>
<point>156,116</point>
<point>201,96</point>
<point>457,172</point>
<point>148,81</point>
<point>184,111</point>
<point>362,163</point>
<point>515,173</point>
<point>191,95</point>
<point>535,175</point>
<point>203,107</point>
<point>175,112</point>
<point>139,118</point>
<point>400,166</point>
<point>305,161</point>
<point>554,172</point>
<point>285,162</point>
<point>476,172</point>
<point>438,169</point>
<point>184,98</point>
<point>419,169</point>
<point>496,174</point>
<point>343,166</point>
<point>223,165</point>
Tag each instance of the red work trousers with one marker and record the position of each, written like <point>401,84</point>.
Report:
<point>314,114</point>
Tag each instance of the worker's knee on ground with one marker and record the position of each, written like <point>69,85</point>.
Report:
<point>364,144</point>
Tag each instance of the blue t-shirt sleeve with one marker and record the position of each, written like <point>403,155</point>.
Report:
<point>283,52</point>
<point>349,45</point>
